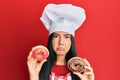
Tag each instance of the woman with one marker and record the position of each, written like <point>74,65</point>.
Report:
<point>61,27</point>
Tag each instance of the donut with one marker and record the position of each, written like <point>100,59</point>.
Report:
<point>40,52</point>
<point>76,64</point>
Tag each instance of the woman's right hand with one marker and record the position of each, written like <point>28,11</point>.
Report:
<point>34,67</point>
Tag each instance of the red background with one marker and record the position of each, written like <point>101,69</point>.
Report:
<point>98,39</point>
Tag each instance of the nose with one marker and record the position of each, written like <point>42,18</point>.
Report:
<point>61,41</point>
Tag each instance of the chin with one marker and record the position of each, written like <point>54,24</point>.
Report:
<point>61,53</point>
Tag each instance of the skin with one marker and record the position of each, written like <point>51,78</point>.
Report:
<point>61,44</point>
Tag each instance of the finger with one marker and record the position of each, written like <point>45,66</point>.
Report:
<point>89,73</point>
<point>89,68</point>
<point>42,62</point>
<point>78,74</point>
<point>31,61</point>
<point>86,61</point>
<point>29,56</point>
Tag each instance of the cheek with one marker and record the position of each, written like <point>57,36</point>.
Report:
<point>54,44</point>
<point>68,44</point>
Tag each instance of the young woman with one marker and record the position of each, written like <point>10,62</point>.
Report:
<point>61,47</point>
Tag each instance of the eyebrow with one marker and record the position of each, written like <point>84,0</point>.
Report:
<point>64,34</point>
<point>67,35</point>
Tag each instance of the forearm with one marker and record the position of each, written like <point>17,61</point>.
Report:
<point>34,77</point>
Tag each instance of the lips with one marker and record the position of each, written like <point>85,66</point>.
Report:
<point>61,49</point>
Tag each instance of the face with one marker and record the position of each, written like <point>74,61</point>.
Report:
<point>61,43</point>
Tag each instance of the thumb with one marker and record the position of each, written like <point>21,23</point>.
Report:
<point>42,62</point>
<point>39,65</point>
<point>78,74</point>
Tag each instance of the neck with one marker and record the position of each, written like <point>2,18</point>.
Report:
<point>61,60</point>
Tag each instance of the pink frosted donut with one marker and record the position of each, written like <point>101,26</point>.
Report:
<point>76,64</point>
<point>40,52</point>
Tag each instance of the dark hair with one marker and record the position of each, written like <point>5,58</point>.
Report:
<point>46,69</point>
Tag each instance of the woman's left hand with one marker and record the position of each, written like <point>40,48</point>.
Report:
<point>88,73</point>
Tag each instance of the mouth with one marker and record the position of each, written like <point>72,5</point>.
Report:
<point>60,49</point>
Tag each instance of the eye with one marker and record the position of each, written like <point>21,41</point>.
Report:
<point>67,36</point>
<point>55,36</point>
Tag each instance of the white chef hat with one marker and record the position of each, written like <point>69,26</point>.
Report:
<point>63,17</point>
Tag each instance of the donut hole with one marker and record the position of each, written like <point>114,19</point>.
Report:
<point>40,54</point>
<point>78,65</point>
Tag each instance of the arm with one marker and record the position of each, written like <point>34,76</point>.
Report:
<point>34,67</point>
